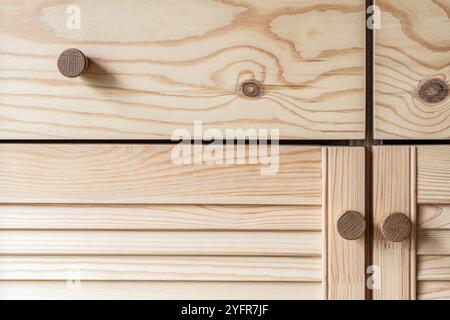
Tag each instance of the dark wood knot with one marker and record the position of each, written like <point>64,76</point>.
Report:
<point>396,227</point>
<point>351,225</point>
<point>72,63</point>
<point>433,91</point>
<point>251,89</point>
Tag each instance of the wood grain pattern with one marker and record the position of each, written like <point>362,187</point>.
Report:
<point>160,290</point>
<point>345,191</point>
<point>127,174</point>
<point>412,47</point>
<point>160,65</point>
<point>157,217</point>
<point>433,174</point>
<point>160,268</point>
<point>433,242</point>
<point>393,192</point>
<point>434,216</point>
<point>434,290</point>
<point>433,268</point>
<point>245,243</point>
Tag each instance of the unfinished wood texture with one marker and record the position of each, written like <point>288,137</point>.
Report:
<point>72,63</point>
<point>306,243</point>
<point>146,174</point>
<point>412,48</point>
<point>433,268</point>
<point>434,290</point>
<point>160,268</point>
<point>161,65</point>
<point>157,217</point>
<point>434,216</point>
<point>159,290</point>
<point>393,192</point>
<point>396,227</point>
<point>433,177</point>
<point>345,191</point>
<point>433,242</point>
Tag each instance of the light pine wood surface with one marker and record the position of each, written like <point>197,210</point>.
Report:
<point>433,242</point>
<point>434,290</point>
<point>434,216</point>
<point>135,174</point>
<point>412,46</point>
<point>433,268</point>
<point>160,65</point>
<point>345,190</point>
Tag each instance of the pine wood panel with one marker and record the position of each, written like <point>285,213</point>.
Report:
<point>160,290</point>
<point>345,189</point>
<point>160,65</point>
<point>154,217</point>
<point>393,187</point>
<point>434,216</point>
<point>412,46</point>
<point>160,268</point>
<point>306,243</point>
<point>433,174</point>
<point>146,174</point>
<point>433,242</point>
<point>434,290</point>
<point>433,268</point>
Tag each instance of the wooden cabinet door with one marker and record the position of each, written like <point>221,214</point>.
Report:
<point>415,182</point>
<point>124,221</point>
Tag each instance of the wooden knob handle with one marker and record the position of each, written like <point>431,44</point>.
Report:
<point>72,63</point>
<point>396,227</point>
<point>351,225</point>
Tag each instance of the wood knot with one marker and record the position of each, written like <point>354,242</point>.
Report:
<point>72,63</point>
<point>396,227</point>
<point>433,91</point>
<point>351,225</point>
<point>251,89</point>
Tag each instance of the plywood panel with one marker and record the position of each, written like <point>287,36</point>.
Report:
<point>393,187</point>
<point>243,243</point>
<point>345,189</point>
<point>412,47</point>
<point>434,216</point>
<point>433,242</point>
<point>160,268</point>
<point>433,268</point>
<point>153,217</point>
<point>434,290</point>
<point>64,173</point>
<point>163,64</point>
<point>160,290</point>
<point>433,174</point>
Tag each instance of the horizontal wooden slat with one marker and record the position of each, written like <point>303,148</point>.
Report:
<point>160,268</point>
<point>433,268</point>
<point>433,174</point>
<point>160,290</point>
<point>307,243</point>
<point>146,174</point>
<point>433,290</point>
<point>168,217</point>
<point>433,242</point>
<point>434,216</point>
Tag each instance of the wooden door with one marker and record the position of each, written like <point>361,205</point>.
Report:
<point>415,182</point>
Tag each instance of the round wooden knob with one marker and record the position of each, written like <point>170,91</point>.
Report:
<point>351,225</point>
<point>72,63</point>
<point>396,227</point>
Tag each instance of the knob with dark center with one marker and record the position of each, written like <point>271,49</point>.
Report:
<point>72,63</point>
<point>351,225</point>
<point>396,227</point>
<point>433,91</point>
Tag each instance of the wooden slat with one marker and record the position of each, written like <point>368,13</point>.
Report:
<point>433,242</point>
<point>433,268</point>
<point>160,65</point>
<point>433,177</point>
<point>159,290</point>
<point>160,268</point>
<point>434,216</point>
<point>393,192</point>
<point>307,243</point>
<point>146,174</point>
<point>345,191</point>
<point>434,290</point>
<point>412,46</point>
<point>154,217</point>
